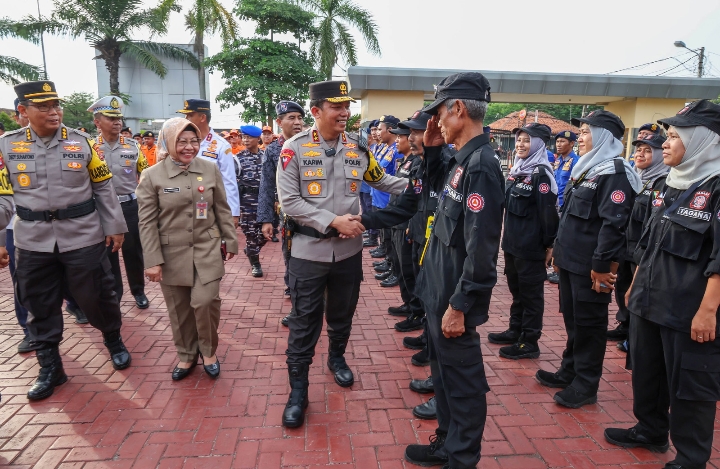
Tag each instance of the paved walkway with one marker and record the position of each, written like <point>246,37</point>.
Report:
<point>140,418</point>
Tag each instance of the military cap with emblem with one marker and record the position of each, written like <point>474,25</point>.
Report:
<point>36,91</point>
<point>148,134</point>
<point>535,129</point>
<point>390,121</point>
<point>702,112</point>
<point>283,107</point>
<point>126,129</point>
<point>604,119</point>
<point>654,128</point>
<point>110,106</point>
<point>195,105</point>
<point>400,131</point>
<point>655,141</point>
<point>418,121</point>
<point>334,91</point>
<point>566,134</point>
<point>466,85</point>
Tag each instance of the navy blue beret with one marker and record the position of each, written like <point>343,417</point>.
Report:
<point>567,135</point>
<point>283,107</point>
<point>389,120</point>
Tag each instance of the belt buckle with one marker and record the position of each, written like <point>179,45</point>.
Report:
<point>52,215</point>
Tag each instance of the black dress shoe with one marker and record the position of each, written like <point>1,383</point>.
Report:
<point>379,253</point>
<point>78,313</point>
<point>377,263</point>
<point>422,386</point>
<point>520,350</point>
<point>51,373</point>
<point>672,465</point>
<point>630,438</point>
<point>371,241</point>
<point>426,411</point>
<point>551,380</point>
<point>415,343</point>
<point>391,281</point>
<point>623,346</point>
<point>433,454</point>
<point>572,398</point>
<point>383,267</point>
<point>285,321</point>
<point>554,278</point>
<point>412,323</point>
<point>27,345</point>
<point>619,333</point>
<point>181,373</point>
<point>421,358</point>
<point>141,301</point>
<point>506,337</point>
<point>274,239</point>
<point>384,275</point>
<point>118,353</point>
<point>287,292</point>
<point>213,370</point>
<point>402,310</point>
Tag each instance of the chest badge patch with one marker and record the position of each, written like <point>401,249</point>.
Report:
<point>311,153</point>
<point>73,165</point>
<point>354,172</point>
<point>285,156</point>
<point>351,154</point>
<point>456,177</point>
<point>314,188</point>
<point>618,197</point>
<point>700,200</point>
<point>350,145</point>
<point>20,150</point>
<point>72,147</point>
<point>21,166</point>
<point>310,145</point>
<point>353,187</point>
<point>475,202</point>
<point>544,188</point>
<point>23,180</point>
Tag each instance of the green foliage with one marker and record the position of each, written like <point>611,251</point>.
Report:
<point>8,121</point>
<point>75,113</point>
<point>13,71</point>
<point>353,124</point>
<point>258,73</point>
<point>559,111</point>
<point>278,17</point>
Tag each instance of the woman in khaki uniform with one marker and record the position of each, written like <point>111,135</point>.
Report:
<point>184,216</point>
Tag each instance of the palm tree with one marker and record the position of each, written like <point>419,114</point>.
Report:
<point>108,26</point>
<point>334,40</point>
<point>209,16</point>
<point>13,70</point>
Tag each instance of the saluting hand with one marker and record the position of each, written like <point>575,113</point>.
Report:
<point>453,323</point>
<point>154,274</point>
<point>4,257</point>
<point>433,135</point>
<point>116,240</point>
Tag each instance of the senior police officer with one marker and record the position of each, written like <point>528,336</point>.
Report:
<point>459,270</point>
<point>216,149</point>
<point>67,214</point>
<point>126,162</point>
<point>589,244</point>
<point>249,163</point>
<point>319,177</point>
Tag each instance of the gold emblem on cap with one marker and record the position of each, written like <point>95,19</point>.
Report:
<point>343,88</point>
<point>382,118</point>
<point>567,133</point>
<point>47,87</point>
<point>114,103</point>
<point>186,105</point>
<point>654,127</point>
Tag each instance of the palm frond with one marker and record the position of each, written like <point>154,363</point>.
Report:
<point>13,70</point>
<point>363,21</point>
<point>146,58</point>
<point>346,44</point>
<point>163,49</point>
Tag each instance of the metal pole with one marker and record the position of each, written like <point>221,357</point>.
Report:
<point>701,60</point>
<point>42,43</point>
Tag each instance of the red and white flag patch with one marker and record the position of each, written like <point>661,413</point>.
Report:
<point>285,156</point>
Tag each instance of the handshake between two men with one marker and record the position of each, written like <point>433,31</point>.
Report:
<point>349,226</point>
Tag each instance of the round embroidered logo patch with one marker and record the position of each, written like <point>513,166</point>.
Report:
<point>314,188</point>
<point>657,202</point>
<point>475,202</point>
<point>544,188</point>
<point>700,200</point>
<point>618,197</point>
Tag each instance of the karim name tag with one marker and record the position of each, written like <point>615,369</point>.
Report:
<point>201,210</point>
<point>170,190</point>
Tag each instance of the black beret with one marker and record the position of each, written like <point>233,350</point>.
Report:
<point>283,107</point>
<point>390,121</point>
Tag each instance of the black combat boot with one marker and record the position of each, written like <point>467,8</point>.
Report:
<point>118,353</point>
<point>371,241</point>
<point>255,263</point>
<point>51,373</point>
<point>336,363</point>
<point>294,414</point>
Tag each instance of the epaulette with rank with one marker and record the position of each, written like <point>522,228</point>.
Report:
<point>79,132</point>
<point>13,132</point>
<point>304,133</point>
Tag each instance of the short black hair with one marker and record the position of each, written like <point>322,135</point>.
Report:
<point>207,114</point>
<point>317,103</point>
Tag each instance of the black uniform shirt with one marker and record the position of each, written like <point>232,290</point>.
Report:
<point>639,214</point>
<point>460,264</point>
<point>405,170</point>
<point>592,227</point>
<point>678,252</point>
<point>531,219</point>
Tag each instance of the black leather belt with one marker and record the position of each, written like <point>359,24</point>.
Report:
<point>312,232</point>
<point>73,211</point>
<point>249,190</point>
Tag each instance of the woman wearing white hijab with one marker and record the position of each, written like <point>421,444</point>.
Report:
<point>652,171</point>
<point>590,241</point>
<point>675,296</point>
<point>531,223</point>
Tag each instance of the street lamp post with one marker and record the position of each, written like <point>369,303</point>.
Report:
<point>700,53</point>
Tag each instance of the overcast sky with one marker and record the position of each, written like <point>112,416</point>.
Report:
<point>534,36</point>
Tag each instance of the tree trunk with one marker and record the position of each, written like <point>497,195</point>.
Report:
<point>200,51</point>
<point>112,63</point>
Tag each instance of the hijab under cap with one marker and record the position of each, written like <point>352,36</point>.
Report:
<point>538,157</point>
<point>167,139</point>
<point>600,160</point>
<point>701,160</point>
<point>657,167</point>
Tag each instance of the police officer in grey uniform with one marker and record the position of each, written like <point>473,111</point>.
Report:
<point>318,179</point>
<point>126,162</point>
<point>67,213</point>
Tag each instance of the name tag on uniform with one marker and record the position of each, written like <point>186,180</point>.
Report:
<point>201,210</point>
<point>170,190</point>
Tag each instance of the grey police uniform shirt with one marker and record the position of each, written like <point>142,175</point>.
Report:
<point>126,162</point>
<point>66,171</point>
<point>314,188</point>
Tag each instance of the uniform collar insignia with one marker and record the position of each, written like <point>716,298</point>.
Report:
<point>64,134</point>
<point>28,134</point>
<point>315,136</point>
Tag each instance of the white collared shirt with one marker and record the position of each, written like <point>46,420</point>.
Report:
<point>216,149</point>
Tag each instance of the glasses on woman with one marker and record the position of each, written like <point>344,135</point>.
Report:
<point>44,107</point>
<point>195,142</point>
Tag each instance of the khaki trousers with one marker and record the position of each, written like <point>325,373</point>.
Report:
<point>194,316</point>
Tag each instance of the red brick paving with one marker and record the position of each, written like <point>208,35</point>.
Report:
<point>139,418</point>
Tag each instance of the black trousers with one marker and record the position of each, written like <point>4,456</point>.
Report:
<point>671,371</point>
<point>526,282</point>
<point>404,252</point>
<point>585,313</point>
<point>41,282</point>
<point>132,254</point>
<point>622,284</point>
<point>460,385</point>
<point>308,282</point>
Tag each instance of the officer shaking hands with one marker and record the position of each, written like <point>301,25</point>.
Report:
<point>318,181</point>
<point>127,162</point>
<point>67,213</point>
